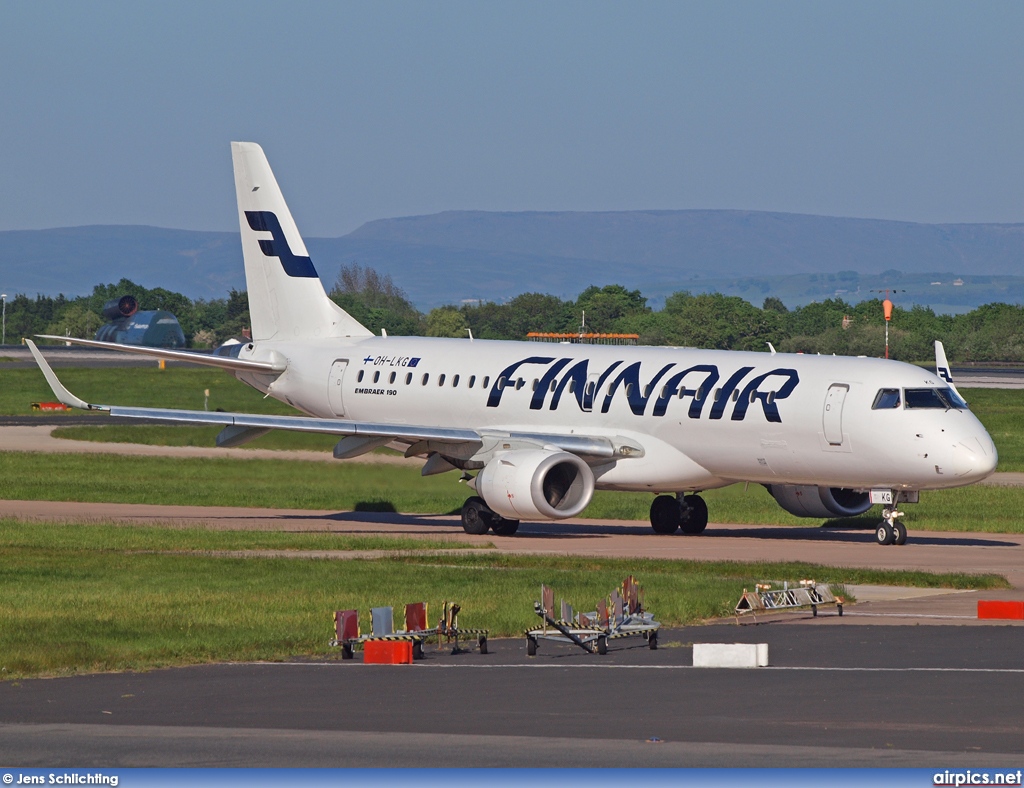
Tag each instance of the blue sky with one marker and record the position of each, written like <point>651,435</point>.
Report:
<point>121,112</point>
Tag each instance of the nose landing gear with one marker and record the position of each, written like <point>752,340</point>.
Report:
<point>891,530</point>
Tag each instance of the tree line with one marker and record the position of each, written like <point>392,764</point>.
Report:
<point>993,332</point>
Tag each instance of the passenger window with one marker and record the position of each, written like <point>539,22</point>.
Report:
<point>472,380</point>
<point>392,378</point>
<point>629,389</point>
<point>735,394</point>
<point>501,384</point>
<point>718,393</point>
<point>426,377</point>
<point>376,376</point>
<point>682,392</point>
<point>554,384</point>
<point>520,383</point>
<point>408,378</point>
<point>886,399</point>
<point>359,377</point>
<point>647,390</point>
<point>572,385</point>
<point>455,381</point>
<point>440,379</point>
<point>534,385</point>
<point>487,380</point>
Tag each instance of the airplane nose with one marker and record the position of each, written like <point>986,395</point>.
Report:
<point>974,458</point>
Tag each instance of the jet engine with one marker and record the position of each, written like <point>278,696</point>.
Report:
<point>118,308</point>
<point>536,484</point>
<point>827,502</point>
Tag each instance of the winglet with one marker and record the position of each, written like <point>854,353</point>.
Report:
<point>59,391</point>
<point>942,367</point>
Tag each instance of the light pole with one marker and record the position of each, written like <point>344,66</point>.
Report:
<point>4,340</point>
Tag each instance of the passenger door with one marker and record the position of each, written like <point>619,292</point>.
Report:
<point>832,416</point>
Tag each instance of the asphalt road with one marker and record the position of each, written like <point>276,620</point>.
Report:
<point>833,696</point>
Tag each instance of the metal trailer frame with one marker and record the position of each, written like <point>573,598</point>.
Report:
<point>348,636</point>
<point>808,594</point>
<point>592,631</point>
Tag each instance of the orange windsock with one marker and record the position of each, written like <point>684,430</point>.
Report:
<point>887,308</point>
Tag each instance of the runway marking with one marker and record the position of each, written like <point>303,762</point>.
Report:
<point>908,615</point>
<point>641,667</point>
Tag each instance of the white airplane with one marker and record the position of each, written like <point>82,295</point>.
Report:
<point>545,425</point>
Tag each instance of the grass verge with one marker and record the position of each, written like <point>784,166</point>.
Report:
<point>74,602</point>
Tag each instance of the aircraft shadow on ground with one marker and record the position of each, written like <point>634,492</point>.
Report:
<point>850,533</point>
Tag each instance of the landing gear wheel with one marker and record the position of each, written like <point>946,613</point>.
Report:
<point>693,515</point>
<point>503,527</point>
<point>652,641</point>
<point>602,645</point>
<point>482,644</point>
<point>476,516</point>
<point>884,533</point>
<point>665,514</point>
<point>899,533</point>
<point>531,647</point>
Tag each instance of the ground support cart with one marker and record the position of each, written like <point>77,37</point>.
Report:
<point>619,617</point>
<point>348,636</point>
<point>808,594</point>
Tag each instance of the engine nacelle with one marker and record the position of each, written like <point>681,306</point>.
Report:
<point>535,484</point>
<point>125,306</point>
<point>827,502</point>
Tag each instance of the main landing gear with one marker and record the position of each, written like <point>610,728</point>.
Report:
<point>891,530</point>
<point>478,519</point>
<point>688,513</point>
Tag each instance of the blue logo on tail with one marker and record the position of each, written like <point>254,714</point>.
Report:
<point>266,222</point>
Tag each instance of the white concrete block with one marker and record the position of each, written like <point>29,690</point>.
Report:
<point>730,655</point>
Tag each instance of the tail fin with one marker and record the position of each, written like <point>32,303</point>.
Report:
<point>286,298</point>
<point>942,368</point>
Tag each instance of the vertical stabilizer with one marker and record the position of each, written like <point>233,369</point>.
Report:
<point>286,298</point>
<point>942,368</point>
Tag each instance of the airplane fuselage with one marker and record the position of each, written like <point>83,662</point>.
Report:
<point>705,418</point>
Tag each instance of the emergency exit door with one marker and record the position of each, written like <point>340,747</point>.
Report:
<point>335,387</point>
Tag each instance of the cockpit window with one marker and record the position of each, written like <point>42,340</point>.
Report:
<point>958,402</point>
<point>933,398</point>
<point>886,399</point>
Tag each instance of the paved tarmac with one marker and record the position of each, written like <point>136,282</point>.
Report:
<point>1001,554</point>
<point>834,695</point>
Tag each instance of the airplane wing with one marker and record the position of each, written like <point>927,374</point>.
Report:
<point>224,362</point>
<point>358,437</point>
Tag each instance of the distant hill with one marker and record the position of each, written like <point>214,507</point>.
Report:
<point>459,255</point>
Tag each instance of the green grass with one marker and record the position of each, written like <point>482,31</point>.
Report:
<point>174,387</point>
<point>1002,413</point>
<point>368,487</point>
<point>83,599</point>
